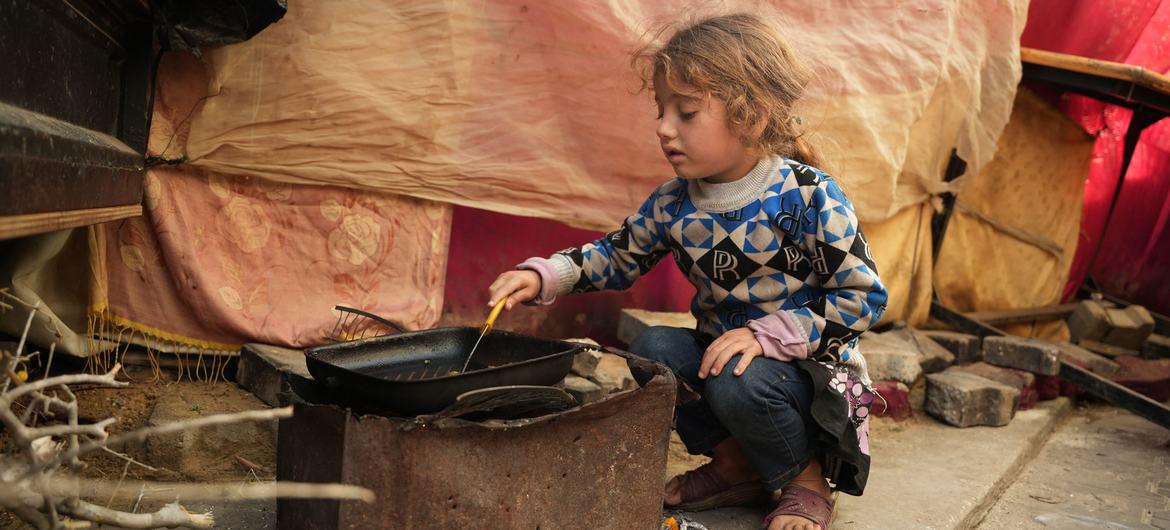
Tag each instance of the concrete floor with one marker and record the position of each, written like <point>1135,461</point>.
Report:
<point>1053,467</point>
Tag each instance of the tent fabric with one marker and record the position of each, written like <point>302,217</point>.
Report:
<point>217,262</point>
<point>527,108</point>
<point>998,253</point>
<point>1134,251</point>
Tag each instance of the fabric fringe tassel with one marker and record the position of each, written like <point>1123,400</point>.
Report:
<point>110,338</point>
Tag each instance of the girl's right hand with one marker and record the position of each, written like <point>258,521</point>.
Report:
<point>519,286</point>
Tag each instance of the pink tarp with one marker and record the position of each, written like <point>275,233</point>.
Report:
<point>1135,251</point>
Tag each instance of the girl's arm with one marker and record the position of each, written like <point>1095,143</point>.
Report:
<point>852,297</point>
<point>611,262</point>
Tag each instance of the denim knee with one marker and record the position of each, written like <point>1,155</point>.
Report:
<point>664,344</point>
<point>676,348</point>
<point>734,398</point>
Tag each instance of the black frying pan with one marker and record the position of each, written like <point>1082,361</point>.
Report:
<point>417,372</point>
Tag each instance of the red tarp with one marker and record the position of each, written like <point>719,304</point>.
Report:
<point>1135,250</point>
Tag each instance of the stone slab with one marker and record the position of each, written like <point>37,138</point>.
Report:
<point>583,390</point>
<point>1030,355</point>
<point>932,356</point>
<point>634,321</point>
<point>1023,381</point>
<point>1089,321</point>
<point>262,370</point>
<point>890,358</point>
<point>613,374</point>
<point>585,363</point>
<point>964,399</point>
<point>1129,327</point>
<point>1095,363</point>
<point>967,348</point>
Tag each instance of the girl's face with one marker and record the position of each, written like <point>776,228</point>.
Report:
<point>692,130</point>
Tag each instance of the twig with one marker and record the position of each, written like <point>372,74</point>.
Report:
<point>142,434</point>
<point>129,459</point>
<point>253,466</point>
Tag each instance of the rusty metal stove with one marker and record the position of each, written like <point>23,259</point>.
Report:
<point>601,465</point>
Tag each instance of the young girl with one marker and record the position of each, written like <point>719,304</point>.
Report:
<point>785,280</point>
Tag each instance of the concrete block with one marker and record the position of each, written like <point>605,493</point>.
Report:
<point>208,453</point>
<point>1156,347</point>
<point>1089,321</point>
<point>1126,327</point>
<point>583,390</point>
<point>1129,327</point>
<point>965,400</point>
<point>1020,380</point>
<point>585,363</point>
<point>634,321</point>
<point>890,358</point>
<point>613,374</point>
<point>1031,355</point>
<point>262,370</point>
<point>967,348</point>
<point>1146,376</point>
<point>896,396</point>
<point>1088,360</point>
<point>932,356</point>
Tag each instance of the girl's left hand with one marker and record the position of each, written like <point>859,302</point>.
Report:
<point>736,341</point>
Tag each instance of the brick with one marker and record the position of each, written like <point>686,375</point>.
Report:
<point>1089,321</point>
<point>932,356</point>
<point>634,321</point>
<point>613,374</point>
<point>1020,380</point>
<point>583,390</point>
<point>1031,355</point>
<point>262,371</point>
<point>967,348</point>
<point>1088,360</point>
<point>1156,347</point>
<point>896,396</point>
<point>890,358</point>
<point>1129,327</point>
<point>965,400</point>
<point>1146,376</point>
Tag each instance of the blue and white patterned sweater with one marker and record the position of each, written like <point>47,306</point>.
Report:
<point>783,238</point>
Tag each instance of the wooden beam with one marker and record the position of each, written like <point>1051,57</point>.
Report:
<point>1108,69</point>
<point>1087,381</point>
<point>1116,394</point>
<point>1029,314</point>
<point>35,223</point>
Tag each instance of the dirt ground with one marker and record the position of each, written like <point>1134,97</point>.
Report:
<point>133,407</point>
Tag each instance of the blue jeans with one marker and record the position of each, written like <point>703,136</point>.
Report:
<point>766,409</point>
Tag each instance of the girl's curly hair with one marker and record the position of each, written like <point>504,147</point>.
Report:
<point>745,62</point>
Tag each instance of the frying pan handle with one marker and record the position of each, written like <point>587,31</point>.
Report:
<point>387,322</point>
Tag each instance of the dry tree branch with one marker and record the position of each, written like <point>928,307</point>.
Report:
<point>33,490</point>
<point>213,491</point>
<point>170,516</point>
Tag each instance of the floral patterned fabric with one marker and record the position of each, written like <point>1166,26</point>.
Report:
<point>217,261</point>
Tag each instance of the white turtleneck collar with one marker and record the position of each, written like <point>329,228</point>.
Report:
<point>729,196</point>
